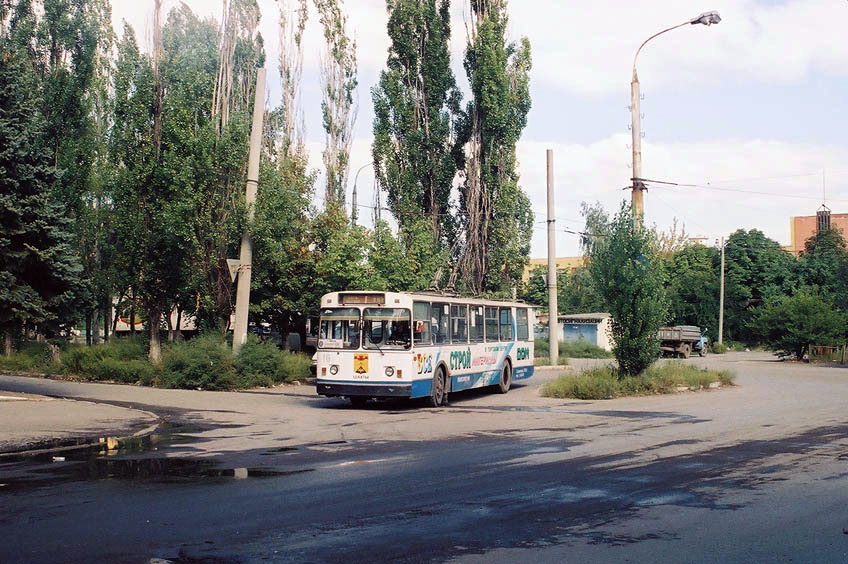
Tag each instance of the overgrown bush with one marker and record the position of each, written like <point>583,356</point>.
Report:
<point>263,364</point>
<point>205,362</point>
<point>604,382</point>
<point>87,361</point>
<point>576,349</point>
<point>718,348</point>
<point>127,371</point>
<point>31,357</point>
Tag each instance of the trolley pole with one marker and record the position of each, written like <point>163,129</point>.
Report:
<point>552,271</point>
<point>246,251</point>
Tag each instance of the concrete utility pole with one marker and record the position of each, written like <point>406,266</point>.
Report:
<point>552,271</point>
<point>246,252</point>
<point>638,186</point>
<point>721,298</point>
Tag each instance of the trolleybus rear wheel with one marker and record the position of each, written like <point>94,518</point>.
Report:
<point>506,378</point>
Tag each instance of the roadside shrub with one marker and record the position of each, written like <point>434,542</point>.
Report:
<point>30,357</point>
<point>86,361</point>
<point>205,362</point>
<point>578,349</point>
<point>582,349</point>
<point>718,348</point>
<point>604,382</point>
<point>126,371</point>
<point>595,383</point>
<point>264,364</point>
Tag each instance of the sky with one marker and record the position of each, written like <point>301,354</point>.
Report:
<point>750,113</point>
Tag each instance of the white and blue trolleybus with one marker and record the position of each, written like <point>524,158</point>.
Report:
<point>420,345</point>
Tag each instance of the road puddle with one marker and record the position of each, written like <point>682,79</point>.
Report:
<point>110,458</point>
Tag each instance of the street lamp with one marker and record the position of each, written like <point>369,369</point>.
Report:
<point>707,18</point>
<point>354,213</point>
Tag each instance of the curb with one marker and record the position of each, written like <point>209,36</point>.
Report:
<point>81,442</point>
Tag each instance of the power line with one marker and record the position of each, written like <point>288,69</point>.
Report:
<point>754,192</point>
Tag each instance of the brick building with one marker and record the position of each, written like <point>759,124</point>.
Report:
<point>803,227</point>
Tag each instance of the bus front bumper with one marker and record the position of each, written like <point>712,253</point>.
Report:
<point>373,390</point>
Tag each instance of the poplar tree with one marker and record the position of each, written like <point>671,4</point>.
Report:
<point>415,106</point>
<point>338,82</point>
<point>496,213</point>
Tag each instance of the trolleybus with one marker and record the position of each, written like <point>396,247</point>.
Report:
<point>420,345</point>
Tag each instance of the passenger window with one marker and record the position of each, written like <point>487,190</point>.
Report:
<point>491,324</point>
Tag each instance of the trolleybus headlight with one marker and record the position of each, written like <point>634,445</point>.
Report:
<point>390,371</point>
<point>334,369</point>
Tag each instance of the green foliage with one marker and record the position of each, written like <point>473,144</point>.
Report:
<point>824,264</point>
<point>605,383</point>
<point>116,360</point>
<point>263,364</point>
<point>498,220</point>
<point>338,78</point>
<point>582,349</point>
<point>578,349</point>
<point>692,284</point>
<point>40,283</point>
<point>628,275</point>
<point>414,106</point>
<point>30,357</point>
<point>789,324</point>
<point>204,363</point>
<point>718,348</point>
<point>576,292</point>
<point>756,269</point>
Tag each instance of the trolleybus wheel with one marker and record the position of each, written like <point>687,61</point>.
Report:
<point>437,390</point>
<point>506,378</point>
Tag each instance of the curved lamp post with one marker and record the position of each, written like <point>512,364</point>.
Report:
<point>707,18</point>
<point>354,213</point>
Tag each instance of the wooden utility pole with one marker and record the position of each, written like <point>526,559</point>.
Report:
<point>552,271</point>
<point>246,252</point>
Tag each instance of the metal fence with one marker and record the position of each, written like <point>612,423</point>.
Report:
<point>820,353</point>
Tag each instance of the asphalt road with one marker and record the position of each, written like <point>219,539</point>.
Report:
<point>754,473</point>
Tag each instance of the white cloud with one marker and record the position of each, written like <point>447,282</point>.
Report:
<point>789,173</point>
<point>588,47</point>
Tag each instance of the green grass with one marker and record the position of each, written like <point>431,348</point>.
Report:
<point>31,357</point>
<point>206,362</point>
<point>603,382</point>
<point>579,349</point>
<point>718,348</point>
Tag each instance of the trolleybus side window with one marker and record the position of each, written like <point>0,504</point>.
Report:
<point>523,325</point>
<point>440,322</point>
<point>339,328</point>
<point>421,321</point>
<point>506,324</point>
<point>491,324</point>
<point>475,330</point>
<point>459,324</point>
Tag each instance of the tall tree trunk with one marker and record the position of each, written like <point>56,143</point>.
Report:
<point>95,327</point>
<point>107,318</point>
<point>88,328</point>
<point>178,333</point>
<point>170,326</point>
<point>7,344</point>
<point>132,314</point>
<point>154,354</point>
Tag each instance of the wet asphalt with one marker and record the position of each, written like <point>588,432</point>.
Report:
<point>505,496</point>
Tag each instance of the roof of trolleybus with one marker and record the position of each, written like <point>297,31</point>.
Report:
<point>376,298</point>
